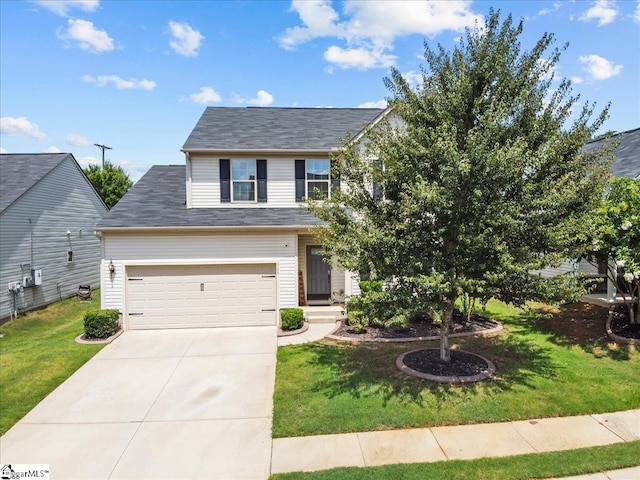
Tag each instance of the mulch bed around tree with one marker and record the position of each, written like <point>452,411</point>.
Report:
<point>462,363</point>
<point>464,367</point>
<point>419,330</point>
<point>620,325</point>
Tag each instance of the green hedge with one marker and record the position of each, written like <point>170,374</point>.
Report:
<point>291,318</point>
<point>101,323</point>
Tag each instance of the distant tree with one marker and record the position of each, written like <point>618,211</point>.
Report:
<point>481,184</point>
<point>613,238</point>
<point>111,183</point>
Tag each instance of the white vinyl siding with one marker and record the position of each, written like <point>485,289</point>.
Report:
<point>205,248</point>
<point>205,183</point>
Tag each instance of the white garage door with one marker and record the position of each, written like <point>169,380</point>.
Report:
<point>201,296</point>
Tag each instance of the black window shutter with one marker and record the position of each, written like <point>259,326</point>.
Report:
<point>261,167</point>
<point>300,172</point>
<point>335,181</point>
<point>377,188</point>
<point>225,181</point>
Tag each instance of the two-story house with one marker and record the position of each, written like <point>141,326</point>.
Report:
<point>223,240</point>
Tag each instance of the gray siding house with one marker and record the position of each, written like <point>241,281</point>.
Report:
<point>48,211</point>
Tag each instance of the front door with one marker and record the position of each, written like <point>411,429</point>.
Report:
<point>318,274</point>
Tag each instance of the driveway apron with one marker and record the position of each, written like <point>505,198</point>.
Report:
<point>192,403</point>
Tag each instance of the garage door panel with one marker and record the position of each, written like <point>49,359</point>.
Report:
<point>197,296</point>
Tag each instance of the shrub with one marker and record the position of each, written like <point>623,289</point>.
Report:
<point>367,286</point>
<point>101,323</point>
<point>291,318</point>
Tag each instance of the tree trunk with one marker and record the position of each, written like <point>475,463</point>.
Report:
<point>445,353</point>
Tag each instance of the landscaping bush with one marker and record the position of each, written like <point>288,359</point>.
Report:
<point>291,318</point>
<point>391,308</point>
<point>101,323</point>
<point>367,286</point>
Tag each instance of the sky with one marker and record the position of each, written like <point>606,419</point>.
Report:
<point>137,75</point>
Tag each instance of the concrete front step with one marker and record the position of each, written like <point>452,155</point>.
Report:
<point>324,314</point>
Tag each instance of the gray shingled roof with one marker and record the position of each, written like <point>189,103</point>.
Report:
<point>158,200</point>
<point>21,171</point>
<point>259,128</point>
<point>626,155</point>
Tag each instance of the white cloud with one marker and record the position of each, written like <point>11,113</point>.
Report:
<point>599,67</point>
<point>52,149</point>
<point>185,40</point>
<point>62,7</point>
<point>369,28</point>
<point>120,83</point>
<point>361,58</point>
<point>555,8</point>
<point>16,127</point>
<point>604,11</point>
<point>84,162</point>
<point>206,95</point>
<point>88,37</point>
<point>636,14</point>
<point>378,104</point>
<point>2,150</point>
<point>77,140</point>
<point>576,80</point>
<point>413,78</point>
<point>262,99</point>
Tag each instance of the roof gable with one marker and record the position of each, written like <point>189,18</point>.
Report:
<point>277,129</point>
<point>21,171</point>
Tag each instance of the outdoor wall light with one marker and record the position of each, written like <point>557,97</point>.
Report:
<point>112,267</point>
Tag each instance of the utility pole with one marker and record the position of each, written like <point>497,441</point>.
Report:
<point>103,148</point>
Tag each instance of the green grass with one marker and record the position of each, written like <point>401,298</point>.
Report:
<point>542,465</point>
<point>336,387</point>
<point>38,352</point>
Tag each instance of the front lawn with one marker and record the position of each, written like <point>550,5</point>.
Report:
<point>38,352</point>
<point>555,362</point>
<point>542,465</point>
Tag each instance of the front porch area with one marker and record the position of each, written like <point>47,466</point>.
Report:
<point>321,283</point>
<point>323,314</point>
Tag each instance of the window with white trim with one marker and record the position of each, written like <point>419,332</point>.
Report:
<point>317,179</point>
<point>243,180</point>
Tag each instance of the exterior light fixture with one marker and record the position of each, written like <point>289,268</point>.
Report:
<point>112,267</point>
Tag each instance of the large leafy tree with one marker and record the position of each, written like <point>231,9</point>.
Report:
<point>614,239</point>
<point>111,182</point>
<point>475,180</point>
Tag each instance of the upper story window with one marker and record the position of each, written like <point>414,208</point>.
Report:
<point>243,180</point>
<point>313,179</point>
<point>317,179</point>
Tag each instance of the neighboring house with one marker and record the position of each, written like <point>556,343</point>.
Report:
<point>223,240</point>
<point>48,211</point>
<point>626,164</point>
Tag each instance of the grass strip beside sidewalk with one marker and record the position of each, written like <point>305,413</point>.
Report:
<point>541,465</point>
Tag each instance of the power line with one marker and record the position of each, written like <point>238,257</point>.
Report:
<point>103,148</point>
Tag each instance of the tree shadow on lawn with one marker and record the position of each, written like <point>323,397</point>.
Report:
<point>369,369</point>
<point>580,324</point>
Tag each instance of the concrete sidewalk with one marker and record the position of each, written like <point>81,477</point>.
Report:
<point>457,443</point>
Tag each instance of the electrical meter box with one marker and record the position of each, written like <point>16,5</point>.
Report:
<point>36,276</point>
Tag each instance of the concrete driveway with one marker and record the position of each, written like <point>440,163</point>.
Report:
<point>157,404</point>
